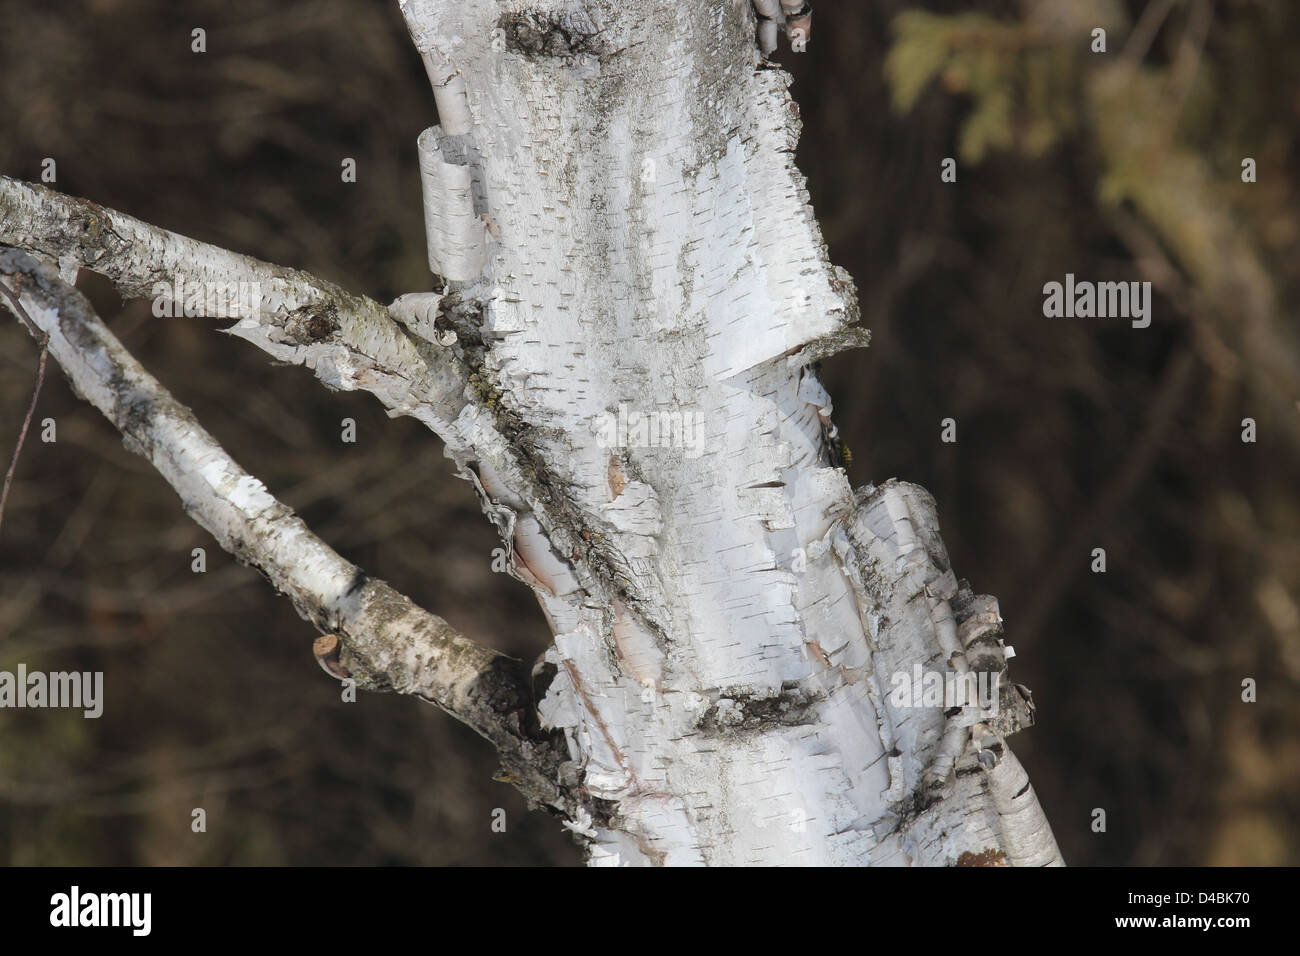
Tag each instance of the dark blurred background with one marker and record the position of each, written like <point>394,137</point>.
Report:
<point>1072,433</point>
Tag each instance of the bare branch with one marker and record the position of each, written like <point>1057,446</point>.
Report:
<point>349,341</point>
<point>386,641</point>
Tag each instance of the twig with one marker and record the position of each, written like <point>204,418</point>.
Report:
<point>43,339</point>
<point>1155,264</point>
<point>1139,41</point>
<point>1187,63</point>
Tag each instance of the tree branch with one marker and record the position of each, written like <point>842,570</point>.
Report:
<point>386,643</point>
<point>348,341</point>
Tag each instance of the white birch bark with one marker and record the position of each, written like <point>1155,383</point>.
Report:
<point>727,614</point>
<point>631,295</point>
<point>373,636</point>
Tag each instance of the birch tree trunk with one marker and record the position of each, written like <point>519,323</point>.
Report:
<point>640,286</point>
<point>631,296</point>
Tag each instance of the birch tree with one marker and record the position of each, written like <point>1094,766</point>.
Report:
<point>618,347</point>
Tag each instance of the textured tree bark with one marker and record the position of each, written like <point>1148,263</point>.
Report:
<point>635,277</point>
<point>631,296</point>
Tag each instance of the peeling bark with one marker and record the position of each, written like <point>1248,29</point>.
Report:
<point>723,640</point>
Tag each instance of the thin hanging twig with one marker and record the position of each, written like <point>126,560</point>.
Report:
<point>1144,34</point>
<point>36,391</point>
